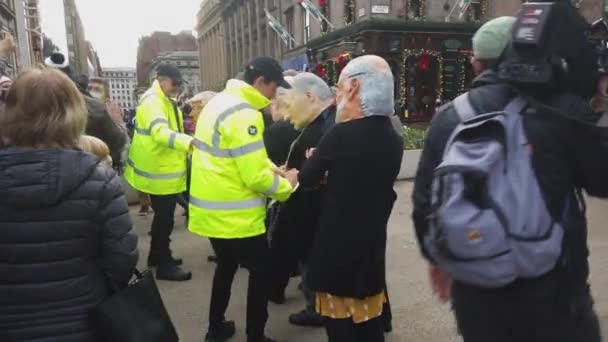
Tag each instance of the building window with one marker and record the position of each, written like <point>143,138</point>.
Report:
<point>289,20</point>
<point>416,9</point>
<point>306,26</point>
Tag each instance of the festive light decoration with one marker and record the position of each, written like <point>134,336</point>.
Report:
<point>330,70</point>
<point>416,9</point>
<point>462,75</point>
<point>349,12</point>
<point>481,9</point>
<point>324,7</point>
<point>421,54</point>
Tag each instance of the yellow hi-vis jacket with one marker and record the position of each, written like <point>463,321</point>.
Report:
<point>231,173</point>
<point>157,156</point>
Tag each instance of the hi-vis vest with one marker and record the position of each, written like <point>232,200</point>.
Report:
<point>231,173</point>
<point>157,156</point>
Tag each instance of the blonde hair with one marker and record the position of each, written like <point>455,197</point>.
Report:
<point>97,147</point>
<point>202,98</point>
<point>43,109</point>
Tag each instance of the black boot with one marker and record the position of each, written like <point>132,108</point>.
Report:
<point>153,261</point>
<point>170,271</point>
<point>307,318</point>
<point>224,332</point>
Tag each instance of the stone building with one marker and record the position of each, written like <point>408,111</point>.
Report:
<point>426,42</point>
<point>122,83</point>
<point>188,64</point>
<point>150,47</point>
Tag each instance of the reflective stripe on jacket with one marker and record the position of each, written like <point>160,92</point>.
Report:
<point>231,173</point>
<point>157,156</point>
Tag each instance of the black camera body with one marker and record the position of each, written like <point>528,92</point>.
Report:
<point>551,49</point>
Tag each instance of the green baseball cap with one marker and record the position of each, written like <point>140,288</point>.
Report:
<point>492,38</point>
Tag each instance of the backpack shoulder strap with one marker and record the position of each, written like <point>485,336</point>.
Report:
<point>516,105</point>
<point>463,107</point>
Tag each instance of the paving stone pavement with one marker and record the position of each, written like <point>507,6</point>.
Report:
<point>418,317</point>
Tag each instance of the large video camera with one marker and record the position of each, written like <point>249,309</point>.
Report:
<point>551,49</point>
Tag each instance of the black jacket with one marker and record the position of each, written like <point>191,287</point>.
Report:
<point>299,216</point>
<point>65,231</point>
<point>101,125</point>
<point>278,137</point>
<point>362,159</point>
<point>568,154</point>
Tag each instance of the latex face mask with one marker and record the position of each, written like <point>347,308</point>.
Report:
<point>300,108</point>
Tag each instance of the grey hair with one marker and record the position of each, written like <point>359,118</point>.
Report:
<point>309,82</point>
<point>377,91</point>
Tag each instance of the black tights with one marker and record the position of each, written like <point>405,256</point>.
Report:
<point>345,330</point>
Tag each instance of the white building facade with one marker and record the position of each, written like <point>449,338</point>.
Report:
<point>122,82</point>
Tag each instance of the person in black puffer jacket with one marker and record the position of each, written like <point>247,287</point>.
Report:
<point>65,226</point>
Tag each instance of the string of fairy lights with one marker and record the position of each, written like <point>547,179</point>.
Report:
<point>483,9</point>
<point>403,86</point>
<point>324,7</point>
<point>349,12</point>
<point>420,6</point>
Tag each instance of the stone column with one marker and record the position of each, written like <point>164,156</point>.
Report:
<point>237,55</point>
<point>259,24</point>
<point>223,55</point>
<point>249,29</point>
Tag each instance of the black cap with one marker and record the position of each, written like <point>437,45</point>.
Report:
<point>169,71</point>
<point>269,68</point>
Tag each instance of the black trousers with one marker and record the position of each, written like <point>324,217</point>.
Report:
<point>252,254</point>
<point>162,226</point>
<point>524,317</point>
<point>345,330</point>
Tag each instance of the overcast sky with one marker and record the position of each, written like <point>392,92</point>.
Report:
<point>115,26</point>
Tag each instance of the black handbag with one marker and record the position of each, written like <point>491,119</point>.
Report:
<point>135,314</point>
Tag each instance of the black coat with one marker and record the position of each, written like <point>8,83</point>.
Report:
<point>568,154</point>
<point>278,137</point>
<point>101,126</point>
<point>362,159</point>
<point>65,231</point>
<point>299,216</point>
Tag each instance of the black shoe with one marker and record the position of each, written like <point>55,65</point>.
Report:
<point>152,262</point>
<point>172,272</point>
<point>212,258</point>
<point>306,318</point>
<point>277,299</point>
<point>225,332</point>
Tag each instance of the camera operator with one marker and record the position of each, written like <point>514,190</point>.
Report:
<point>567,154</point>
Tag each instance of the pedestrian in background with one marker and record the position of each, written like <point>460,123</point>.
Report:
<point>66,231</point>
<point>100,123</point>
<point>348,259</point>
<point>157,165</point>
<point>95,146</point>
<point>231,180</point>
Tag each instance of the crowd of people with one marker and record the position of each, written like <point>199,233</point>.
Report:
<point>288,177</point>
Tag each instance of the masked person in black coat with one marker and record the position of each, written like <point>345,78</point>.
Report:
<point>65,230</point>
<point>360,159</point>
<point>310,109</point>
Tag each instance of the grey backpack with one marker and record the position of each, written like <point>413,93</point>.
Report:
<point>490,224</point>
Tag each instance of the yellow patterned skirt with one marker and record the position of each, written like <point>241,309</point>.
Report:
<point>360,310</point>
